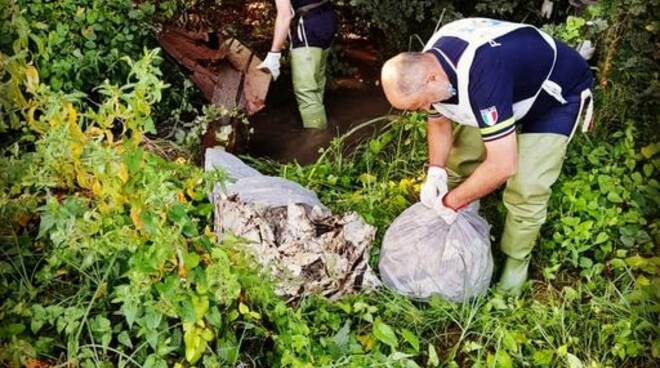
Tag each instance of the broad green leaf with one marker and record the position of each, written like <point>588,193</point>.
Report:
<point>130,310</point>
<point>191,260</point>
<point>499,360</point>
<point>201,306</point>
<point>509,342</point>
<point>195,344</point>
<point>614,197</point>
<point>341,338</point>
<point>543,357</point>
<point>125,339</point>
<point>385,334</point>
<point>410,338</point>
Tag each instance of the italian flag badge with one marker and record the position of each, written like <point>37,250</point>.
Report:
<point>489,115</point>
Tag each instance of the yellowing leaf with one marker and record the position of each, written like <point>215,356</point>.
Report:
<point>82,179</point>
<point>76,149</point>
<point>123,173</point>
<point>109,136</point>
<point>97,189</point>
<point>181,197</point>
<point>642,281</point>
<point>135,217</point>
<point>367,341</point>
<point>72,113</point>
<point>32,78</point>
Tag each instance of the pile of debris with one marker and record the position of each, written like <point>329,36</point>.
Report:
<point>291,233</point>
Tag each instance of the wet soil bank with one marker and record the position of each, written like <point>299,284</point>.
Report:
<point>278,131</point>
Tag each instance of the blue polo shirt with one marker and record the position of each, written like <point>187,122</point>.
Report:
<point>511,69</point>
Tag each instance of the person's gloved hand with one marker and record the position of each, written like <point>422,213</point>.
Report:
<point>586,49</point>
<point>434,188</point>
<point>447,214</point>
<point>272,63</point>
<point>546,9</point>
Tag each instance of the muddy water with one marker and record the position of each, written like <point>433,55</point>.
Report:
<point>278,132</point>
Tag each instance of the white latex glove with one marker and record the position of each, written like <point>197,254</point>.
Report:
<point>447,214</point>
<point>434,188</point>
<point>546,9</point>
<point>586,49</point>
<point>272,64</point>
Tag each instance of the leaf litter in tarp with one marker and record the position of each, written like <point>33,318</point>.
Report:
<point>291,234</point>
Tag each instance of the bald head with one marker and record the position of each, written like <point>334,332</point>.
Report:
<point>413,80</point>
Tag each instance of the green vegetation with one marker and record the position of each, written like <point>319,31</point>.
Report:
<point>108,257</point>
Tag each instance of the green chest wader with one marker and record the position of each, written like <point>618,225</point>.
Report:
<point>308,68</point>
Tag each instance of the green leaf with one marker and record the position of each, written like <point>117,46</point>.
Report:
<point>500,360</point>
<point>543,357</point>
<point>650,150</point>
<point>191,260</point>
<point>385,334</point>
<point>614,197</point>
<point>195,344</point>
<point>152,318</point>
<point>243,309</point>
<point>125,339</point>
<point>342,337</point>
<point>509,342</point>
<point>201,306</point>
<point>410,338</point>
<point>601,238</point>
<point>11,330</point>
<point>433,360</point>
<point>177,213</point>
<point>130,310</point>
<point>186,311</point>
<point>214,317</point>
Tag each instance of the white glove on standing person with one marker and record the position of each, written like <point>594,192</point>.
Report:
<point>586,49</point>
<point>546,9</point>
<point>272,64</point>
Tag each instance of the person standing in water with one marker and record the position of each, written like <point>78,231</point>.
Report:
<point>311,26</point>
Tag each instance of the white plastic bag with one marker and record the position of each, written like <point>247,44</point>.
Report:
<point>217,158</point>
<point>423,256</point>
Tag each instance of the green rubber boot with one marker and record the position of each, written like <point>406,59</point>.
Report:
<point>308,65</point>
<point>514,276</point>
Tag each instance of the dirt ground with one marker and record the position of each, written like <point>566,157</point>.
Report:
<point>278,132</point>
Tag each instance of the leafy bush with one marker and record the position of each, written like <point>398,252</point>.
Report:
<point>78,54</point>
<point>605,208</point>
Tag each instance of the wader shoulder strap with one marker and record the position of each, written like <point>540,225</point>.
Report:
<point>304,10</point>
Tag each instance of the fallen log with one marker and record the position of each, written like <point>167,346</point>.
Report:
<point>224,70</point>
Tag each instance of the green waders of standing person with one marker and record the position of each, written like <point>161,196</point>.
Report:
<point>311,25</point>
